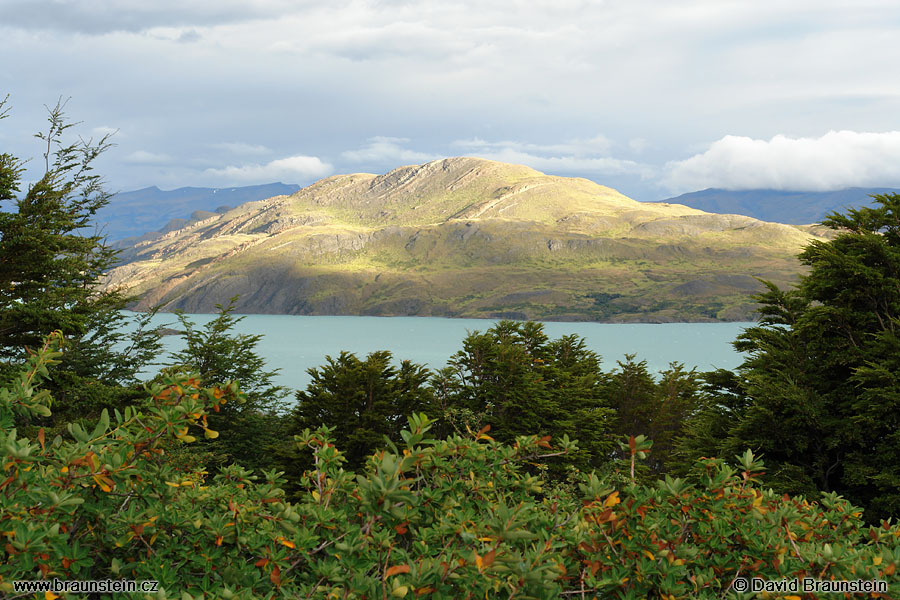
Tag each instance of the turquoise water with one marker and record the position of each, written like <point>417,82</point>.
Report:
<point>294,344</point>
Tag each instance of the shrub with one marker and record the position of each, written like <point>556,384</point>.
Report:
<point>454,518</point>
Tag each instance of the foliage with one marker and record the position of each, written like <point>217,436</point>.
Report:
<point>49,270</point>
<point>362,401</point>
<point>821,371</point>
<point>655,409</point>
<point>220,356</point>
<point>456,518</point>
<point>721,403</point>
<point>517,381</point>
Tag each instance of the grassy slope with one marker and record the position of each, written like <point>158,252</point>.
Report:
<point>467,237</point>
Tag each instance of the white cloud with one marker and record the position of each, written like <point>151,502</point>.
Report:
<point>573,156</point>
<point>836,160</point>
<point>382,149</point>
<point>147,158</point>
<point>104,130</point>
<point>241,148</point>
<point>598,144</point>
<point>638,145</point>
<point>292,169</point>
<point>603,165</point>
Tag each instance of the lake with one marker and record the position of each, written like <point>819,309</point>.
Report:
<point>294,344</point>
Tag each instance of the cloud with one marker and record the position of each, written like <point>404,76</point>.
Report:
<point>638,145</point>
<point>188,36</point>
<point>241,148</point>
<point>573,156</point>
<point>292,169</point>
<point>104,130</point>
<point>147,158</point>
<point>836,160</point>
<point>585,156</point>
<point>598,144</point>
<point>382,149</point>
<point>105,16</point>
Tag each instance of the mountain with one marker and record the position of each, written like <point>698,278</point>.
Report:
<point>778,205</point>
<point>131,214</point>
<point>465,237</point>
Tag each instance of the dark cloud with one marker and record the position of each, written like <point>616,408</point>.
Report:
<point>191,35</point>
<point>94,17</point>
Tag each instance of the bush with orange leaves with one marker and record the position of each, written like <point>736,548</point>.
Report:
<point>464,517</point>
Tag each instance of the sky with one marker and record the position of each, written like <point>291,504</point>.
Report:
<point>652,97</point>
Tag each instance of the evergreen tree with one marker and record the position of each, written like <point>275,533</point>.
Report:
<point>658,410</point>
<point>822,367</point>
<point>513,378</point>
<point>364,401</point>
<point>50,270</point>
<point>219,356</point>
<point>722,402</point>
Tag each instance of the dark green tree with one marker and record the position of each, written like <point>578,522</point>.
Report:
<point>657,409</point>
<point>365,401</point>
<point>51,266</point>
<point>219,355</point>
<point>513,378</point>
<point>721,403</point>
<point>632,392</point>
<point>822,366</point>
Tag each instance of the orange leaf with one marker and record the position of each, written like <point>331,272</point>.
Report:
<point>632,444</point>
<point>262,562</point>
<point>275,575</point>
<point>401,528</point>
<point>395,570</point>
<point>40,437</point>
<point>488,559</point>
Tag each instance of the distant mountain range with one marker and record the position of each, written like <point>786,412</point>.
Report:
<point>132,214</point>
<point>798,208</point>
<point>465,237</point>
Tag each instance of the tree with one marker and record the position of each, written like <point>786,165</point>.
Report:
<point>821,371</point>
<point>721,403</point>
<point>364,401</point>
<point>658,410</point>
<point>455,518</point>
<point>513,378</point>
<point>50,270</point>
<point>220,356</point>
